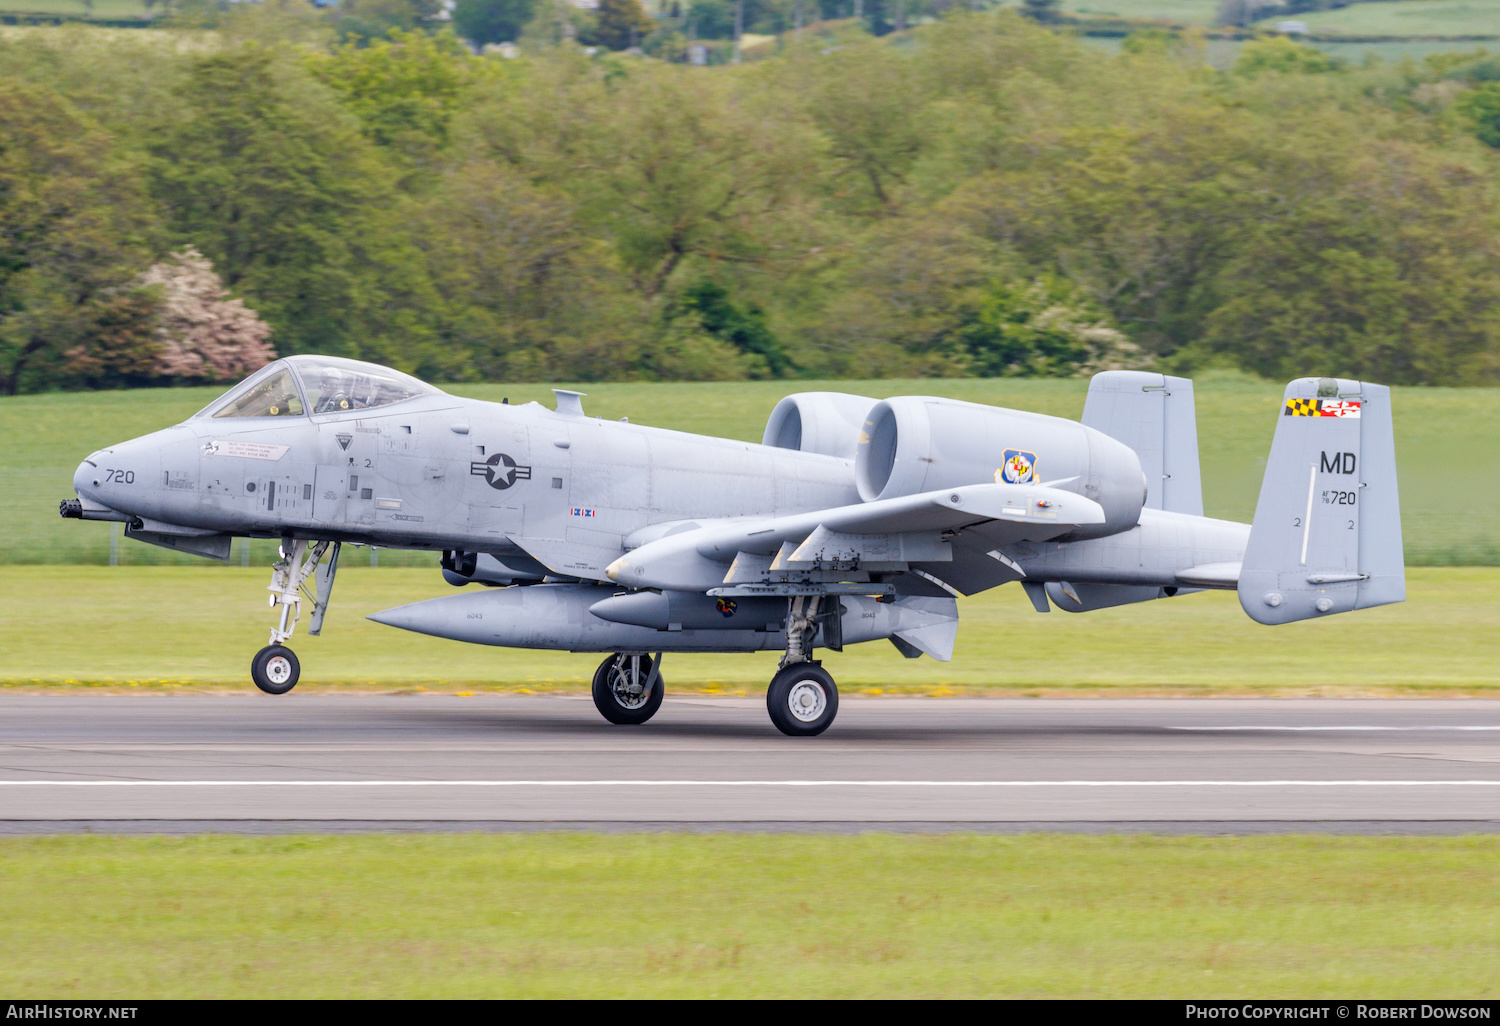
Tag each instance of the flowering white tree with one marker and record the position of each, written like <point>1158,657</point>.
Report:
<point>201,332</point>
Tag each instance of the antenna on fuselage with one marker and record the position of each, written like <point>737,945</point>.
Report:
<point>569,403</point>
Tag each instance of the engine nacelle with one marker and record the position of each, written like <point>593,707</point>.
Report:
<point>913,444</point>
<point>823,422</point>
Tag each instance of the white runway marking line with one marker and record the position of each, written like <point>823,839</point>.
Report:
<point>750,783</point>
<point>1329,729</point>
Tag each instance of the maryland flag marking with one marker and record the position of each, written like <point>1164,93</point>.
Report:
<point>1321,408</point>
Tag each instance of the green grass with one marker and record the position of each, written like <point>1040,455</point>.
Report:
<point>1371,18</point>
<point>1178,12</point>
<point>1222,53</point>
<point>1405,18</point>
<point>555,915</point>
<point>111,9</point>
<point>1392,53</point>
<point>166,628</point>
<point>1446,444</point>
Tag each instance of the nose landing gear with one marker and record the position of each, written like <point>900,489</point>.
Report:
<point>275,668</point>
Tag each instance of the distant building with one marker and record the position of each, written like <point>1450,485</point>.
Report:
<point>1292,28</point>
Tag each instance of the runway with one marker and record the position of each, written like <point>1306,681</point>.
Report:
<point>304,761</point>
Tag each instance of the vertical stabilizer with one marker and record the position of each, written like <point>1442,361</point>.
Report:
<point>1327,532</point>
<point>1154,415</point>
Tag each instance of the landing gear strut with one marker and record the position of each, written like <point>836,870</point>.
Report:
<point>802,698</point>
<point>275,668</point>
<point>628,687</point>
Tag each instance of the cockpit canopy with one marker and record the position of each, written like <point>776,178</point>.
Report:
<point>299,385</point>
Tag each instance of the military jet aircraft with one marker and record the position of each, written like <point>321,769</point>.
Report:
<point>854,520</point>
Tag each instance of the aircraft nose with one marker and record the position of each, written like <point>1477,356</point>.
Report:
<point>120,476</point>
<point>87,479</point>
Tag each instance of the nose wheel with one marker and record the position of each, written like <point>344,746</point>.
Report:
<point>275,669</point>
<point>628,688</point>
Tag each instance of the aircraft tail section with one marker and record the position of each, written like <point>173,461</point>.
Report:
<point>1327,531</point>
<point>1155,416</point>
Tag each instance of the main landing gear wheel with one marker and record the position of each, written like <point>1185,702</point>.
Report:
<point>802,700</point>
<point>628,688</point>
<point>275,669</point>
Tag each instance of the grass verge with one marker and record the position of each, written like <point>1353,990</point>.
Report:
<point>175,628</point>
<point>550,915</point>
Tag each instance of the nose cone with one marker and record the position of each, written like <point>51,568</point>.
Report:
<point>412,617</point>
<point>121,478</point>
<point>88,479</point>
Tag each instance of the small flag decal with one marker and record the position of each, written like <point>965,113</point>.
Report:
<point>1322,408</point>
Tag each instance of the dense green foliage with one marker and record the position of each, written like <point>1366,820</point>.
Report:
<point>979,196</point>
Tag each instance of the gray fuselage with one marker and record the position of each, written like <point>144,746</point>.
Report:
<point>441,472</point>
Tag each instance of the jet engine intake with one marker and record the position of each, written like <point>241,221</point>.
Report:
<point>821,422</point>
<point>916,444</point>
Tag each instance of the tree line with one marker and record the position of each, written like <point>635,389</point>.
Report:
<point>978,196</point>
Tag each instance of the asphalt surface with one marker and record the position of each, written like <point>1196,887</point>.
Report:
<point>305,761</point>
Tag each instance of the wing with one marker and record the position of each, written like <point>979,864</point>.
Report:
<point>951,535</point>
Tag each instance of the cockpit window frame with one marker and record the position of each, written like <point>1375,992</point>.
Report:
<point>270,370</point>
<point>303,366</point>
<point>298,366</point>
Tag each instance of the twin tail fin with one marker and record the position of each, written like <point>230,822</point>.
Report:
<point>1327,531</point>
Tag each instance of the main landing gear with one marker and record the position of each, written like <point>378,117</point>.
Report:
<point>275,668</point>
<point>802,698</point>
<point>628,687</point>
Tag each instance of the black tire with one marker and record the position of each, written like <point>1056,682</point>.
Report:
<point>802,700</point>
<point>275,669</point>
<point>617,706</point>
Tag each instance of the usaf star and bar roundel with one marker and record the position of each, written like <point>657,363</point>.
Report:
<point>500,471</point>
